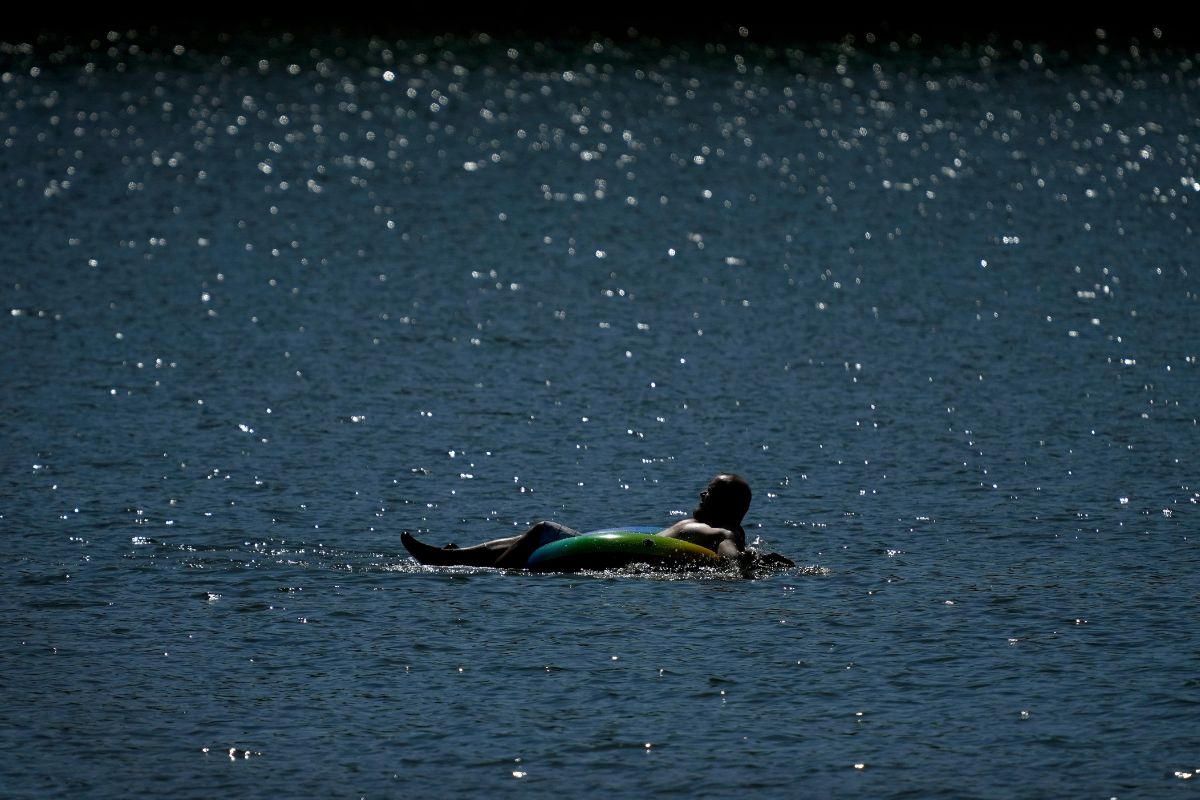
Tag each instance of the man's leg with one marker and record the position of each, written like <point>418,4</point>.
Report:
<point>520,548</point>
<point>509,552</point>
<point>481,555</point>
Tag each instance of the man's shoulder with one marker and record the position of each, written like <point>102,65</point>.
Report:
<point>682,525</point>
<point>694,527</point>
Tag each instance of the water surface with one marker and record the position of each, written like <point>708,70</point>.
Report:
<point>271,299</point>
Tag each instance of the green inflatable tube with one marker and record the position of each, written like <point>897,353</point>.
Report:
<point>613,548</point>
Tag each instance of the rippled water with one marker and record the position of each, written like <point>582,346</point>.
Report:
<point>271,299</point>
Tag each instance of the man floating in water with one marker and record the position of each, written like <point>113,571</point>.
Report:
<point>715,524</point>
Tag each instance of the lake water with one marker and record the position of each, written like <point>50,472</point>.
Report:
<point>271,299</point>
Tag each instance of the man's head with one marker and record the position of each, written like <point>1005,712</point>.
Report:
<point>724,502</point>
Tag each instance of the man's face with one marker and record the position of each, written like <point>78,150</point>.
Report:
<point>706,499</point>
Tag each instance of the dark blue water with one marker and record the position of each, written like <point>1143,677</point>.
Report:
<point>270,300</point>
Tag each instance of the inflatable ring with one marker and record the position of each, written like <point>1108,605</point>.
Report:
<point>613,548</point>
